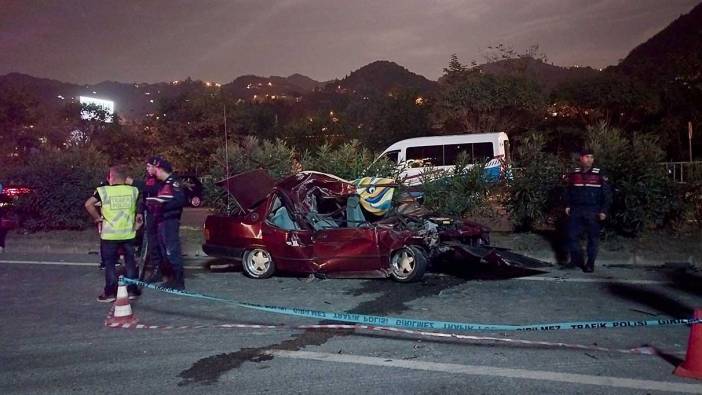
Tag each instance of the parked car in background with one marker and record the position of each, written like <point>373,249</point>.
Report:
<point>193,189</point>
<point>8,195</point>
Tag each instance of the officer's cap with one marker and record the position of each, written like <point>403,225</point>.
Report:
<point>586,151</point>
<point>154,160</point>
<point>164,164</point>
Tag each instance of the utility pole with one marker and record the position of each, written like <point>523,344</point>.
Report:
<point>689,138</point>
<point>226,152</point>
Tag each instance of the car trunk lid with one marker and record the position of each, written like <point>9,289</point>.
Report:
<point>248,188</point>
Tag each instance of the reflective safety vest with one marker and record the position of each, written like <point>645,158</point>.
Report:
<point>118,211</point>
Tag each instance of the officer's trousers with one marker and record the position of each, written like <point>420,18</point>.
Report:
<point>169,241</point>
<point>583,219</point>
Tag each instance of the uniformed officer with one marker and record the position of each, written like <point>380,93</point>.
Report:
<point>168,207</point>
<point>588,198</point>
<point>149,187</point>
<point>117,223</point>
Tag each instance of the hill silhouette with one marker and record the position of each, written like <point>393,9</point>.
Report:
<point>673,53</point>
<point>384,76</point>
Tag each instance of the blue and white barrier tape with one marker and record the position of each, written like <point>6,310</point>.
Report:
<point>409,323</point>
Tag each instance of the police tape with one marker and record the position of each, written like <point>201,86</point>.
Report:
<point>410,323</point>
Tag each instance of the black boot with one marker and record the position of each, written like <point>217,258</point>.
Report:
<point>178,281</point>
<point>589,267</point>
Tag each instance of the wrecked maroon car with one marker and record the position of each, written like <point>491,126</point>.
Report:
<point>312,223</point>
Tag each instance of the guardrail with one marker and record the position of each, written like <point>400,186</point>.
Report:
<point>683,172</point>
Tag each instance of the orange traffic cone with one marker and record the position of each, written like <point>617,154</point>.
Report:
<point>692,367</point>
<point>122,314</point>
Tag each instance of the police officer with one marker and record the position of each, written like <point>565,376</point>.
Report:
<point>588,198</point>
<point>117,223</point>
<point>168,206</point>
<point>149,187</point>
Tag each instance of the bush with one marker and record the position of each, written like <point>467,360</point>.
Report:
<point>248,154</point>
<point>60,181</point>
<point>643,195</point>
<point>348,161</point>
<point>535,187</point>
<point>463,190</point>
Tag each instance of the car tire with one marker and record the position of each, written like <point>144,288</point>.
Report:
<point>195,201</point>
<point>258,263</point>
<point>408,264</point>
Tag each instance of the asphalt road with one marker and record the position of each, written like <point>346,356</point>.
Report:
<point>53,340</point>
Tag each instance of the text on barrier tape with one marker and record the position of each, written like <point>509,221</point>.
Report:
<point>421,324</point>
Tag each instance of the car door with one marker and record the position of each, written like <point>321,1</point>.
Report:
<point>290,246</point>
<point>346,251</point>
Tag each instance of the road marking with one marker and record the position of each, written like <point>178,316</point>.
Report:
<point>52,263</point>
<point>546,279</point>
<point>607,381</point>
<point>591,280</point>
<point>62,263</point>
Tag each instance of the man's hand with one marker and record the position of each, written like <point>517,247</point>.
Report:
<point>567,210</point>
<point>602,216</point>
<point>139,222</point>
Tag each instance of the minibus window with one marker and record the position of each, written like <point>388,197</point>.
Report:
<point>430,155</point>
<point>482,152</point>
<point>451,152</point>
<point>392,156</point>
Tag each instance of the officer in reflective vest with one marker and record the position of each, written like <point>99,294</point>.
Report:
<point>168,206</point>
<point>588,198</point>
<point>117,223</point>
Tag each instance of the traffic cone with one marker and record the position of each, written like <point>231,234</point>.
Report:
<point>692,366</point>
<point>122,310</point>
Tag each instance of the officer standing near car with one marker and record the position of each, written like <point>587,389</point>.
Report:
<point>168,207</point>
<point>588,198</point>
<point>117,224</point>
<point>149,187</point>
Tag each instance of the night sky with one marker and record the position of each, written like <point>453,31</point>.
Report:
<point>165,40</point>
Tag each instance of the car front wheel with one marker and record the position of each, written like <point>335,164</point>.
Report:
<point>258,263</point>
<point>408,264</point>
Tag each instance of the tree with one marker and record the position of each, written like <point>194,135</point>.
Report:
<point>18,132</point>
<point>481,102</point>
<point>608,97</point>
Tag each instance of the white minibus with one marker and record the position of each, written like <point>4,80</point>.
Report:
<point>417,157</point>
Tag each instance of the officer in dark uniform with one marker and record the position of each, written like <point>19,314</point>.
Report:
<point>149,187</point>
<point>168,207</point>
<point>588,197</point>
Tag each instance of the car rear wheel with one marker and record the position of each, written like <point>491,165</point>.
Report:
<point>195,201</point>
<point>408,264</point>
<point>258,263</point>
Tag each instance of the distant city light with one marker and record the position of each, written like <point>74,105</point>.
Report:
<point>106,105</point>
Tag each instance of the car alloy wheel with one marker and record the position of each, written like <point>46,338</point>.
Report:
<point>258,263</point>
<point>408,264</point>
<point>195,201</point>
